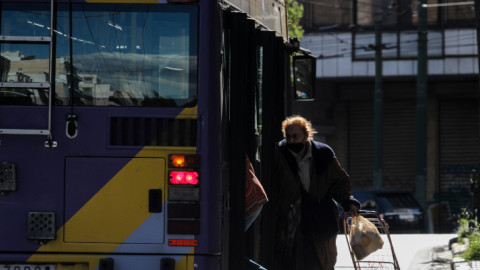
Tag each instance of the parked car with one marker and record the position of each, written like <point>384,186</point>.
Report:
<point>398,208</point>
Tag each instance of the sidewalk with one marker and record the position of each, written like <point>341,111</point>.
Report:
<point>447,257</point>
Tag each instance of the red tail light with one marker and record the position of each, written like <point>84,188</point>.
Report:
<point>183,177</point>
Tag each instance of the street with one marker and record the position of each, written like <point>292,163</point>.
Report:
<point>412,250</point>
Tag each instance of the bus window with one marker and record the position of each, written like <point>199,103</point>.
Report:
<point>122,55</point>
<point>17,22</point>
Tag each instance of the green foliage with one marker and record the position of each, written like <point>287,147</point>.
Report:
<point>295,14</point>
<point>463,230</point>
<point>473,250</point>
<point>469,228</point>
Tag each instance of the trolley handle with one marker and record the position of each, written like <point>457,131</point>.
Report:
<point>347,214</point>
<point>367,212</point>
<point>362,212</point>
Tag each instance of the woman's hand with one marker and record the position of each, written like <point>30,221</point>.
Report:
<point>354,210</point>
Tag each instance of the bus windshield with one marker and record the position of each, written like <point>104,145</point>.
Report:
<point>120,54</point>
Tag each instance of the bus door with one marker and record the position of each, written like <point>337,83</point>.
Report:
<point>91,112</point>
<point>254,70</point>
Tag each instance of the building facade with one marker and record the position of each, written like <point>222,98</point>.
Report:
<point>342,35</point>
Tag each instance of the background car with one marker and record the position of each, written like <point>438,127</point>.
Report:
<point>398,208</point>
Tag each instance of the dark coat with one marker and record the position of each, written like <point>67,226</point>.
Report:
<point>328,181</point>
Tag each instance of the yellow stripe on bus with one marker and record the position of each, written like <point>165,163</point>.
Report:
<point>121,206</point>
<point>117,210</point>
<point>91,261</point>
<point>189,112</point>
<point>113,214</point>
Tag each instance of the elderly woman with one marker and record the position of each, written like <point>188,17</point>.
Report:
<point>309,178</point>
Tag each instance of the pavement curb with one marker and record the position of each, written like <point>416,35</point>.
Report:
<point>459,263</point>
<point>441,258</point>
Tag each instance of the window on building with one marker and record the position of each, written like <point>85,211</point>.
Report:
<point>338,14</point>
<point>88,80</point>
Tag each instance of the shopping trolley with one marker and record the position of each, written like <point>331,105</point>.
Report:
<point>383,258</point>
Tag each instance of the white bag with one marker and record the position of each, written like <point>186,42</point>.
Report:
<point>364,237</point>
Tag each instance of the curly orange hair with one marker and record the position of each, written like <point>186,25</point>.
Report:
<point>304,124</point>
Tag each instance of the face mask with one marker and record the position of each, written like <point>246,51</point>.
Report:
<point>295,147</point>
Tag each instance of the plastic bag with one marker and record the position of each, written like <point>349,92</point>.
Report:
<point>364,237</point>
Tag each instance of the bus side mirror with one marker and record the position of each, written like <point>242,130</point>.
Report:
<point>304,75</point>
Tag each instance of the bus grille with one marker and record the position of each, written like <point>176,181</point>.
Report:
<point>141,131</point>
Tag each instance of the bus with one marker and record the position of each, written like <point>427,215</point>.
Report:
<point>124,127</point>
